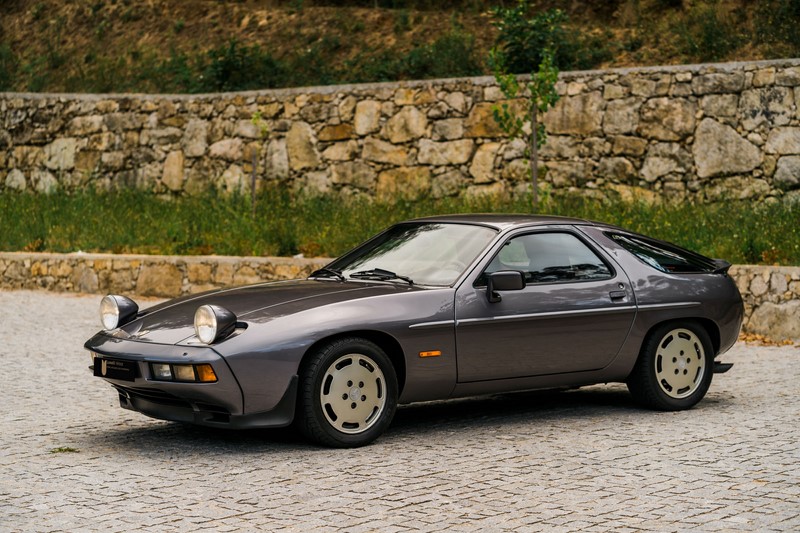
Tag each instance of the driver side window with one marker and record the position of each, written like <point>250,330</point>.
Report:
<point>549,258</point>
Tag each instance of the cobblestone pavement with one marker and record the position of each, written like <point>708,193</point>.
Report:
<point>586,460</point>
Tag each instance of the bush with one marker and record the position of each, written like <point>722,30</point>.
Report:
<point>522,39</point>
<point>8,68</point>
<point>706,34</point>
<point>236,67</point>
<point>777,22</point>
<point>451,55</point>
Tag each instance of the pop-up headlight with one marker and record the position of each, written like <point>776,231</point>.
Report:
<point>116,311</point>
<point>213,323</point>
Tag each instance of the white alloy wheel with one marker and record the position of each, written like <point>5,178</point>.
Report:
<point>353,393</point>
<point>680,363</point>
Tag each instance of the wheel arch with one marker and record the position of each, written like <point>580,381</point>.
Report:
<point>385,341</point>
<point>709,326</point>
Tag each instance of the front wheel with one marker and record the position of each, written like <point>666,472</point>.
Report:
<point>674,368</point>
<point>348,394</point>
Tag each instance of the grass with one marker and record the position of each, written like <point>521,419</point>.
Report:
<point>64,449</point>
<point>137,222</point>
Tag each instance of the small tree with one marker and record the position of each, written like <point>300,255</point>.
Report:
<point>539,89</point>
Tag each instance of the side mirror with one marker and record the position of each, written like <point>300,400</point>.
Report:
<point>504,280</point>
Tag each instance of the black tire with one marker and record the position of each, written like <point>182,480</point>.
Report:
<point>675,367</point>
<point>348,393</point>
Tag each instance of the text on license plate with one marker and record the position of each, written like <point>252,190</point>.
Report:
<point>115,369</point>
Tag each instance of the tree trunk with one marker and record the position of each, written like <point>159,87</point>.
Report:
<point>534,159</point>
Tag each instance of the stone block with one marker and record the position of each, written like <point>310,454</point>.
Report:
<point>447,184</point>
<point>621,116</point>
<point>227,149</point>
<point>718,82</point>
<point>667,119</point>
<point>787,173</point>
<point>367,117</point>
<point>771,106</point>
<point>410,183</point>
<point>482,168</point>
<point>663,159</point>
<point>355,173</point>
<point>481,122</point>
<point>301,147</point>
<point>448,129</point>
<point>60,154</point>
<point>616,169</point>
<point>445,153</point>
<point>720,105</point>
<point>778,321</point>
<point>784,141</point>
<point>162,280</point>
<point>338,132</point>
<point>719,150</point>
<point>341,151</point>
<point>409,124</point>
<point>172,177</point>
<point>16,180</point>
<point>624,145</point>
<point>383,152</point>
<point>576,115</point>
<point>789,77</point>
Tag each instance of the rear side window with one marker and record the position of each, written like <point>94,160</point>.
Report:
<point>663,256</point>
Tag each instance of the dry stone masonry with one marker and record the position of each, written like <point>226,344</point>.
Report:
<point>771,294</point>
<point>703,132</point>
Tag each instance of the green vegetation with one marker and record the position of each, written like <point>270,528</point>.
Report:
<point>127,46</point>
<point>521,37</point>
<point>64,449</point>
<point>137,222</point>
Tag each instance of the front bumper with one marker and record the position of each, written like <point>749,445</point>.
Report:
<point>218,404</point>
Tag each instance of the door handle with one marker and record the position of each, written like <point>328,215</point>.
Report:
<point>617,295</point>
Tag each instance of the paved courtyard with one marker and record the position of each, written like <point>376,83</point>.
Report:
<point>585,460</point>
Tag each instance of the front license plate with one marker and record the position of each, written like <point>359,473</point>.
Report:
<point>115,369</point>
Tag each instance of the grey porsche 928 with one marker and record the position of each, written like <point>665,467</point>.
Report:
<point>429,309</point>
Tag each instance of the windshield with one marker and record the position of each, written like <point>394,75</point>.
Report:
<point>426,253</point>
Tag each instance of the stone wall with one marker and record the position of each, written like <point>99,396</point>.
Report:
<point>771,294</point>
<point>703,132</point>
<point>145,275</point>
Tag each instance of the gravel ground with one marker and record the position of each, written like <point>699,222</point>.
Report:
<point>585,460</point>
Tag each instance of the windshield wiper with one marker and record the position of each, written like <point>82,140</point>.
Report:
<point>380,274</point>
<point>325,272</point>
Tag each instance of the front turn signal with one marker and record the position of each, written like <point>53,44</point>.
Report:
<point>205,374</point>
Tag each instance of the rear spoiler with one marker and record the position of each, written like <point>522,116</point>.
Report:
<point>721,267</point>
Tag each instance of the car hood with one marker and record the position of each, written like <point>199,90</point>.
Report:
<point>173,321</point>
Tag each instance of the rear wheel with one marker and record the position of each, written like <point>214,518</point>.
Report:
<point>348,393</point>
<point>674,368</point>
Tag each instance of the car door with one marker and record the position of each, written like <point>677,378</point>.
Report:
<point>573,314</point>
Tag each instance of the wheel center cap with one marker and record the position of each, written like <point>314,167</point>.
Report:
<point>682,364</point>
<point>355,393</point>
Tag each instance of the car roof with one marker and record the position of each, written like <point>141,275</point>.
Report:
<point>504,221</point>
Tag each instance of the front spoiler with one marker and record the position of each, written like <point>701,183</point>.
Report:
<point>165,407</point>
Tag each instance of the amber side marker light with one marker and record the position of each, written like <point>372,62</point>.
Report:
<point>432,353</point>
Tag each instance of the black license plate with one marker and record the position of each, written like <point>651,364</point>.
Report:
<point>115,369</point>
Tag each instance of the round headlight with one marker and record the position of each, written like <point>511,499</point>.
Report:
<point>116,311</point>
<point>213,323</point>
<point>205,324</point>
